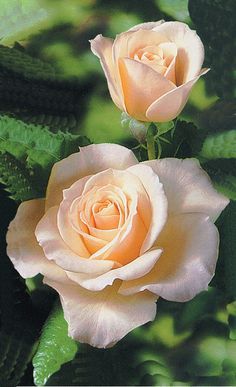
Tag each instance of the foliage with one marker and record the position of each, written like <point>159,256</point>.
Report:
<point>28,154</point>
<point>19,18</point>
<point>55,347</point>
<point>206,15</point>
<point>33,90</point>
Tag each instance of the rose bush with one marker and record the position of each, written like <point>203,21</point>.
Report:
<point>113,235</point>
<point>151,68</point>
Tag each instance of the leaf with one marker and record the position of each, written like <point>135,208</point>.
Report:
<point>221,145</point>
<point>177,9</point>
<point>33,90</point>
<point>20,18</point>
<point>198,308</point>
<point>17,179</point>
<point>36,146</point>
<point>181,139</point>
<point>226,184</point>
<point>55,347</point>
<point>18,62</point>
<point>221,172</point>
<point>164,127</point>
<point>98,367</point>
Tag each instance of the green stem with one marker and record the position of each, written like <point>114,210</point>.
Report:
<point>151,148</point>
<point>151,142</point>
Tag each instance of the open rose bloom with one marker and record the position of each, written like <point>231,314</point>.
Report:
<point>113,235</point>
<point>151,68</point>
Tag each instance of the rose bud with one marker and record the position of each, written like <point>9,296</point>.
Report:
<point>151,68</point>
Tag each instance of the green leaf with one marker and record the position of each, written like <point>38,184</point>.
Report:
<point>164,127</point>
<point>222,173</point>
<point>20,18</point>
<point>226,184</point>
<point>17,179</point>
<point>34,91</point>
<point>55,347</point>
<point>36,146</point>
<point>16,60</point>
<point>198,308</point>
<point>221,145</point>
<point>98,367</point>
<point>177,9</point>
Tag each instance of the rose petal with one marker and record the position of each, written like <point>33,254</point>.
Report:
<point>190,250</point>
<point>188,187</point>
<point>103,318</point>
<point>157,199</point>
<point>102,48</point>
<point>170,71</point>
<point>128,43</point>
<point>23,249</point>
<point>190,49</point>
<point>141,86</point>
<point>170,51</point>
<point>129,239</point>
<point>88,222</point>
<point>90,160</point>
<point>55,249</point>
<point>169,105</point>
<point>133,270</point>
<point>146,26</point>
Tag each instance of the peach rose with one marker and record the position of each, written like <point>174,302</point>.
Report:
<point>151,68</point>
<point>113,234</point>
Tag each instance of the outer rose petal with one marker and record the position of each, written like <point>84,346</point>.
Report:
<point>190,249</point>
<point>190,49</point>
<point>158,202</point>
<point>141,86</point>
<point>23,248</point>
<point>146,26</point>
<point>169,105</point>
<point>188,187</point>
<point>90,160</point>
<point>102,48</point>
<point>133,270</point>
<point>55,249</point>
<point>103,318</point>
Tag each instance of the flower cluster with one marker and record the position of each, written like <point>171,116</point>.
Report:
<point>112,234</point>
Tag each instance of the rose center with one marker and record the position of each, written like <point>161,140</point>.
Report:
<point>160,58</point>
<point>106,215</point>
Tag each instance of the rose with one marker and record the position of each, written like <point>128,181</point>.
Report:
<point>151,68</point>
<point>113,234</point>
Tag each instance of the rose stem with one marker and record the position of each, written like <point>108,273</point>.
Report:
<point>151,142</point>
